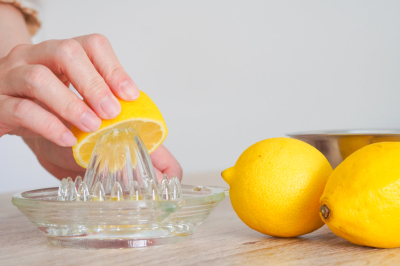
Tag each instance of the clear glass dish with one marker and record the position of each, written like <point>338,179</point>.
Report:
<point>118,224</point>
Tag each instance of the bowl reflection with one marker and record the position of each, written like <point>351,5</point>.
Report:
<point>338,145</point>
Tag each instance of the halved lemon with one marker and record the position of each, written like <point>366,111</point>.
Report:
<point>142,115</point>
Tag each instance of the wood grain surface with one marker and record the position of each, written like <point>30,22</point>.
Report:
<point>221,240</point>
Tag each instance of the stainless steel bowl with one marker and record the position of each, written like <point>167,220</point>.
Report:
<point>336,145</point>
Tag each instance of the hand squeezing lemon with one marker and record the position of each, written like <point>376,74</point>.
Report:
<point>142,115</point>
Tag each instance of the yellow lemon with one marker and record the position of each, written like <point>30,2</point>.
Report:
<point>142,115</point>
<point>276,184</point>
<point>361,200</point>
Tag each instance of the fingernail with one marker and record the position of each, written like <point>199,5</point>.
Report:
<point>130,91</point>
<point>110,106</point>
<point>68,139</point>
<point>90,121</point>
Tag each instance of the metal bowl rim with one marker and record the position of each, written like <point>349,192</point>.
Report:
<point>349,132</point>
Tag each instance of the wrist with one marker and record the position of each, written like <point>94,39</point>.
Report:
<point>13,29</point>
<point>30,15</point>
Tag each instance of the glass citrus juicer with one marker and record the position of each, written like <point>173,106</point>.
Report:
<point>119,203</point>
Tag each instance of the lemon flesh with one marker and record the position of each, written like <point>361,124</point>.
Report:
<point>363,197</point>
<point>142,115</point>
<point>276,184</point>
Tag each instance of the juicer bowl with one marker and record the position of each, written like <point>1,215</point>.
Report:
<point>118,224</point>
<point>337,145</point>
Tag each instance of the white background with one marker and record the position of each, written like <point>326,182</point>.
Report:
<point>226,74</point>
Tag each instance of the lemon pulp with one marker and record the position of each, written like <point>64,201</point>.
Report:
<point>141,115</point>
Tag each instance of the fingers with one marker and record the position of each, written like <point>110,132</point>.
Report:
<point>165,162</point>
<point>159,175</point>
<point>37,81</point>
<point>101,53</point>
<point>17,112</point>
<point>44,71</point>
<point>68,58</point>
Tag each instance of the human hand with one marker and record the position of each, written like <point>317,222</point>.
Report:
<point>44,71</point>
<point>35,101</point>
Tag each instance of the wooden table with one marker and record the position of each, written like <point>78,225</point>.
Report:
<point>221,240</point>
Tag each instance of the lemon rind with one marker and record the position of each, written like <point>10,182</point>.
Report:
<point>79,159</point>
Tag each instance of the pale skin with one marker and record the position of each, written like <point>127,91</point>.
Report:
<point>36,104</point>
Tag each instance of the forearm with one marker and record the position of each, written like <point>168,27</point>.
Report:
<point>13,29</point>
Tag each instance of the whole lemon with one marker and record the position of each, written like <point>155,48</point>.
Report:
<point>361,200</point>
<point>276,184</point>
